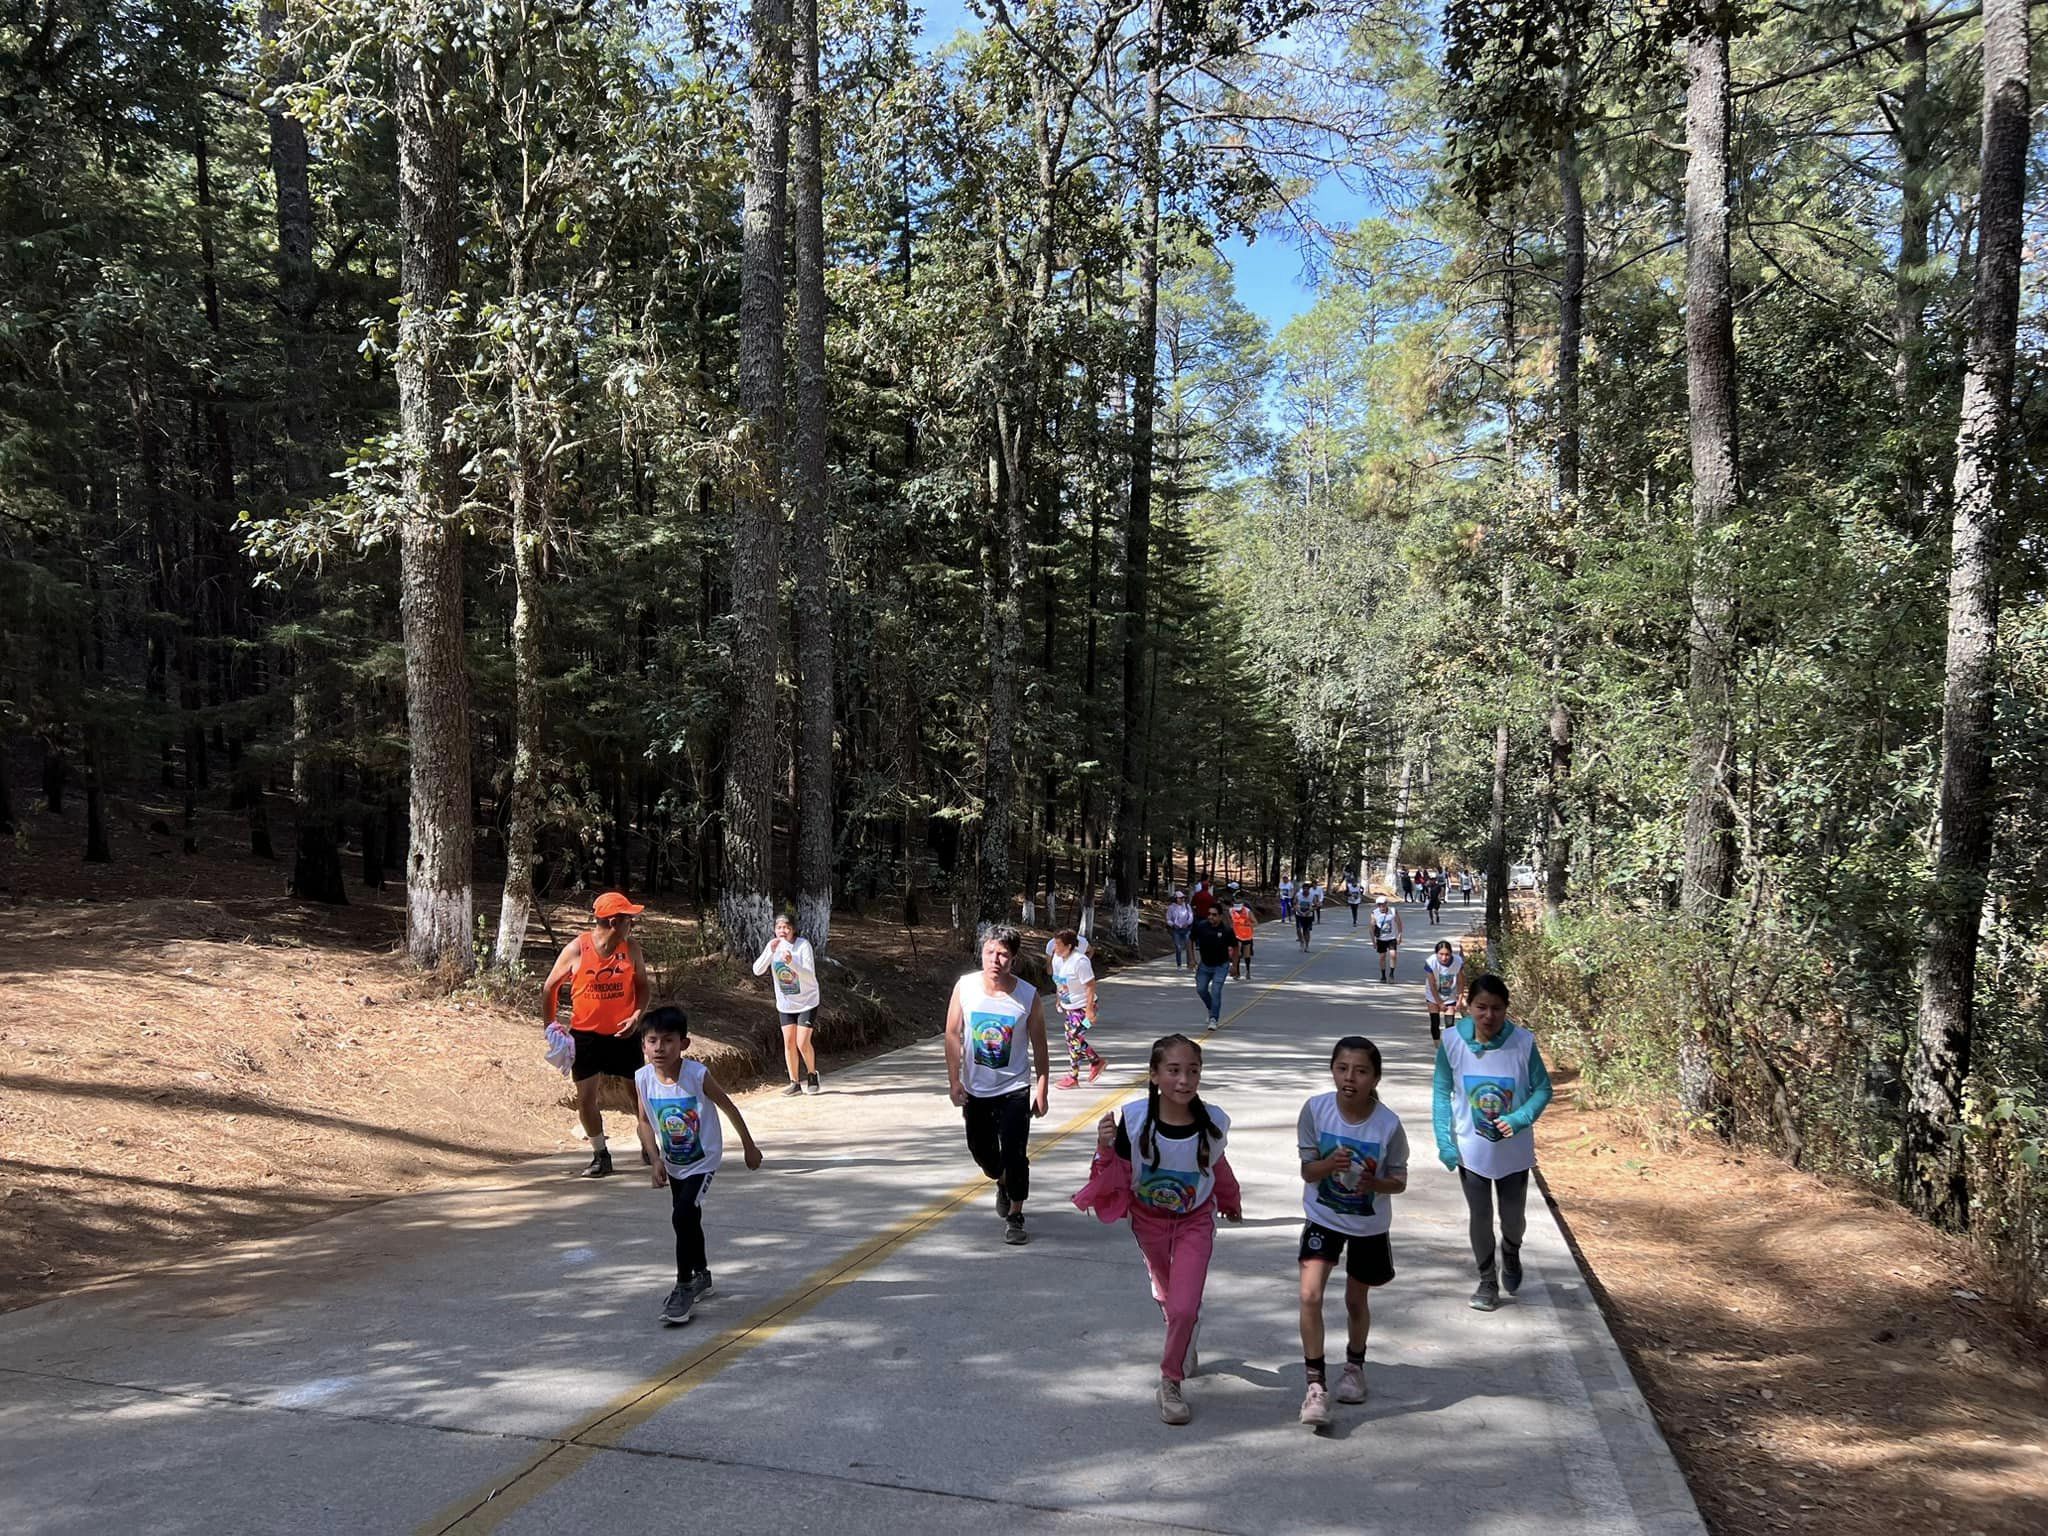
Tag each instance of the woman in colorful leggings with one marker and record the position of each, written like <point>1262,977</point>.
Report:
<point>1073,973</point>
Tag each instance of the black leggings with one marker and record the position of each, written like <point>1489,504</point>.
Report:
<point>686,1209</point>
<point>998,1136</point>
<point>1479,1197</point>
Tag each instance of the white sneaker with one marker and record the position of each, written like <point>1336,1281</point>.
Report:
<point>1173,1408</point>
<point>1315,1407</point>
<point>1351,1384</point>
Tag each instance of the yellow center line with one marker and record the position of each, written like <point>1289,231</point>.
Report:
<point>606,1426</point>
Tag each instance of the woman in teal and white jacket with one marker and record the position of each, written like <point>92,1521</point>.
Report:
<point>1491,1085</point>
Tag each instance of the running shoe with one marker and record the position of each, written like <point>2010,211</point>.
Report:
<point>1173,1408</point>
<point>1487,1297</point>
<point>1315,1405</point>
<point>1069,1081</point>
<point>1510,1269</point>
<point>1095,1071</point>
<point>793,1090</point>
<point>676,1309</point>
<point>1013,1231</point>
<point>700,1284</point>
<point>811,1084</point>
<point>599,1167</point>
<point>1351,1384</point>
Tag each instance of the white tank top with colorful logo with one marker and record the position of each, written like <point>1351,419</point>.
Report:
<point>995,1055</point>
<point>685,1122</point>
<point>1173,1181</point>
<point>1483,1088</point>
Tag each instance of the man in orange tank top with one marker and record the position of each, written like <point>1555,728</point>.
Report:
<point>608,991</point>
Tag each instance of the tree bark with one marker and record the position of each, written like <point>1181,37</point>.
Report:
<point>1703,1058</point>
<point>810,506</point>
<point>1570,327</point>
<point>439,930</point>
<point>1130,814</point>
<point>743,904</point>
<point>1393,871</point>
<point>1938,1176</point>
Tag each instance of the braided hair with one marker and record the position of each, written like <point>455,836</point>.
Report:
<point>1205,1128</point>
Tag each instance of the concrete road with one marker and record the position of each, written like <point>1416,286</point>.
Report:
<point>874,1359</point>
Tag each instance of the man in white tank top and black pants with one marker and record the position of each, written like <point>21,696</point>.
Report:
<point>1491,1085</point>
<point>991,1019</point>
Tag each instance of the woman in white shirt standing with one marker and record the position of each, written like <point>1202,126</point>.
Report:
<point>1180,917</point>
<point>796,999</point>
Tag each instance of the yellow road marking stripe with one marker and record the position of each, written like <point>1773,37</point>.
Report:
<point>605,1426</point>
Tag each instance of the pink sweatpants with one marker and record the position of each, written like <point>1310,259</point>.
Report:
<point>1176,1250</point>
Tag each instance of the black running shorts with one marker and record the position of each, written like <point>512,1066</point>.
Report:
<point>606,1055</point>
<point>1371,1260</point>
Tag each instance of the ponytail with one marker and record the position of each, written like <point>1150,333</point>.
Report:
<point>1148,1143</point>
<point>1204,1129</point>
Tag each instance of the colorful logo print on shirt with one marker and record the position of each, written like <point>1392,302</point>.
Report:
<point>676,1120</point>
<point>991,1033</point>
<point>1164,1189</point>
<point>1341,1191</point>
<point>1490,1098</point>
<point>785,977</point>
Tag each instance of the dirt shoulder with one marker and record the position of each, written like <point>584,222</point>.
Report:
<point>1819,1360</point>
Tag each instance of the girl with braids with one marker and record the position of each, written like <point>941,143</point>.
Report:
<point>1161,1163</point>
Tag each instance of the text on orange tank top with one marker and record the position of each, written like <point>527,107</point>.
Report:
<point>601,989</point>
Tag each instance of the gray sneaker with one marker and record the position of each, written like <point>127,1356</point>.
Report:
<point>1013,1231</point>
<point>1487,1297</point>
<point>1510,1270</point>
<point>1173,1408</point>
<point>700,1284</point>
<point>677,1308</point>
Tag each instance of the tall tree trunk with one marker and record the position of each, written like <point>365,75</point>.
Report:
<point>811,527</point>
<point>1704,1046</point>
<point>439,929</point>
<point>1912,123</point>
<point>529,494</point>
<point>1130,813</point>
<point>1570,326</point>
<point>1938,1179</point>
<point>1016,426</point>
<point>743,902</point>
<point>1400,816</point>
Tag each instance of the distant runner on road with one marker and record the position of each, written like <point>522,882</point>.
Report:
<point>1443,986</point>
<point>608,991</point>
<point>992,1018</point>
<point>795,966</point>
<point>1073,975</point>
<point>1386,936</point>
<point>1354,894</point>
<point>1244,923</point>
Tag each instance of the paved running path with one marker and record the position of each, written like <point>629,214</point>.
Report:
<point>875,1360</point>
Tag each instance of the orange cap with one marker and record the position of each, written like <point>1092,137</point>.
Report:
<point>612,904</point>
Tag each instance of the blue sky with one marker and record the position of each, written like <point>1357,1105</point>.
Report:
<point>1270,279</point>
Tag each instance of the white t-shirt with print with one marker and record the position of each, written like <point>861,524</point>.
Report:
<point>1071,976</point>
<point>794,970</point>
<point>1445,979</point>
<point>686,1125</point>
<point>1379,1150</point>
<point>995,1052</point>
<point>1483,1088</point>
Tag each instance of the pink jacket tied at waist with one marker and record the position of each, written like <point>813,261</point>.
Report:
<point>1108,1190</point>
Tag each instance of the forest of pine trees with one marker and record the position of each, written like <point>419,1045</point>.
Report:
<point>793,453</point>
